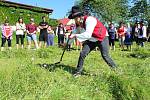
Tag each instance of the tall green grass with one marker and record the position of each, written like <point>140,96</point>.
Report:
<point>21,77</point>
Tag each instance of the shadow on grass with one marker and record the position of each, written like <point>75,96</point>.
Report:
<point>53,67</point>
<point>139,56</point>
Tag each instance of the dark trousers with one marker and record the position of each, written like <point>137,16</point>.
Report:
<point>88,46</point>
<point>111,42</point>
<point>4,41</point>
<point>21,37</point>
<point>60,39</point>
<point>140,42</point>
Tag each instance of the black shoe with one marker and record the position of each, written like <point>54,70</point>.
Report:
<point>77,74</point>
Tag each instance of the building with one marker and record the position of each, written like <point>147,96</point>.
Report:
<point>12,10</point>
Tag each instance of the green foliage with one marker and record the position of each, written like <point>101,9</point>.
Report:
<point>53,22</point>
<point>107,10</point>
<point>140,10</point>
<point>12,14</point>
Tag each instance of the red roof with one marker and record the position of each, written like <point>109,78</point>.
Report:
<point>64,21</point>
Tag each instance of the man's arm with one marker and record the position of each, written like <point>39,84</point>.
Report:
<point>45,26</point>
<point>90,25</point>
<point>40,27</point>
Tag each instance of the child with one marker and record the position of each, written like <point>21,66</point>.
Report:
<point>78,30</point>
<point>6,35</point>
<point>68,32</point>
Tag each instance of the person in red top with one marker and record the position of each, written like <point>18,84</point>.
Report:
<point>94,36</point>
<point>121,35</point>
<point>31,33</point>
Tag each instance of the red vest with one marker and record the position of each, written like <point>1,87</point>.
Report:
<point>99,31</point>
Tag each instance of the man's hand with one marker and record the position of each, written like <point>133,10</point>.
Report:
<point>72,36</point>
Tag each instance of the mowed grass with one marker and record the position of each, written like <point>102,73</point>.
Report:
<point>21,77</point>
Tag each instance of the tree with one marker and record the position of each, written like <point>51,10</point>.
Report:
<point>140,10</point>
<point>106,10</point>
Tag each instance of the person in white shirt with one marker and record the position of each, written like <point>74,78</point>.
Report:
<point>20,29</point>
<point>94,36</point>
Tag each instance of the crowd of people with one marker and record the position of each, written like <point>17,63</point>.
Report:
<point>28,31</point>
<point>125,33</point>
<point>87,33</point>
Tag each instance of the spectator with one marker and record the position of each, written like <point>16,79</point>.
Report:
<point>78,30</point>
<point>68,33</point>
<point>50,40</point>
<point>43,32</point>
<point>148,32</point>
<point>60,31</point>
<point>31,33</point>
<point>121,35</point>
<point>112,33</point>
<point>20,29</point>
<point>142,34</point>
<point>128,39</point>
<point>136,31</point>
<point>6,35</point>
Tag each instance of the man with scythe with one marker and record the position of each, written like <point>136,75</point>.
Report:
<point>94,36</point>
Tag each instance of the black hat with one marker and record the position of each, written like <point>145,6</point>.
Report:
<point>75,12</point>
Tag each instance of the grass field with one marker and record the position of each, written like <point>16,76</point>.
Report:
<point>21,77</point>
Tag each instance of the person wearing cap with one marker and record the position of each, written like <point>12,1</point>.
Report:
<point>6,35</point>
<point>94,36</point>
<point>31,33</point>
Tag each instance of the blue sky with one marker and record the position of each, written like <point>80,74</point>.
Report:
<point>60,7</point>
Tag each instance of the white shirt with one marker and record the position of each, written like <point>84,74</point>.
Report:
<point>20,28</point>
<point>87,35</point>
<point>62,30</point>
